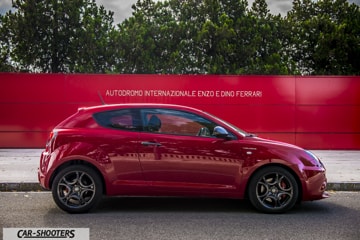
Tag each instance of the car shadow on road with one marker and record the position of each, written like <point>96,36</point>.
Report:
<point>172,204</point>
<point>201,205</point>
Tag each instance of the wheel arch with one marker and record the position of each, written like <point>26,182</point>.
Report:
<point>300,187</point>
<point>77,162</point>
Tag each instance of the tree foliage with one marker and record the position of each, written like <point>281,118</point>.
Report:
<point>57,36</point>
<point>325,37</point>
<point>182,37</point>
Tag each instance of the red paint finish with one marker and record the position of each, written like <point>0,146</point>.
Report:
<point>313,112</point>
<point>177,158</point>
<point>157,149</point>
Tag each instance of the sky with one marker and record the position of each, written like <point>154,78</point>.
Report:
<point>122,8</point>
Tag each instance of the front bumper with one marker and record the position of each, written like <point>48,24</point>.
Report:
<point>315,184</point>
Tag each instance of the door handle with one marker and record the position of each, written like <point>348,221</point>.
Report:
<point>151,144</point>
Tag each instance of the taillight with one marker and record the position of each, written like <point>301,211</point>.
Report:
<point>51,141</point>
<point>51,135</point>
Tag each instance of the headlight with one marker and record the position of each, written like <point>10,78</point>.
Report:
<point>314,159</point>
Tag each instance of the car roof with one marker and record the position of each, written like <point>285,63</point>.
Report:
<point>109,107</point>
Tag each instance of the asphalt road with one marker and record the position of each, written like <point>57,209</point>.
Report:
<point>172,218</point>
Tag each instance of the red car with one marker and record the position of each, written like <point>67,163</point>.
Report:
<point>172,150</point>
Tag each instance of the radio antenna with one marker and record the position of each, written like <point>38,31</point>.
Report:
<point>101,98</point>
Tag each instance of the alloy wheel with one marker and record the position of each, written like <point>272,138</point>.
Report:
<point>273,190</point>
<point>77,189</point>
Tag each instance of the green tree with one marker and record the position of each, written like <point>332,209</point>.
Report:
<point>325,37</point>
<point>151,39</point>
<point>58,36</point>
<point>269,36</point>
<point>95,43</point>
<point>136,40</point>
<point>182,37</point>
<point>217,38</point>
<point>190,36</point>
<point>159,38</point>
<point>5,58</point>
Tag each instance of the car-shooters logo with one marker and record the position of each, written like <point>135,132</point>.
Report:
<point>183,93</point>
<point>46,233</point>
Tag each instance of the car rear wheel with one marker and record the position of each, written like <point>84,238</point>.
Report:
<point>273,190</point>
<point>77,189</point>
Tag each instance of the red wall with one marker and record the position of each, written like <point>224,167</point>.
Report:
<point>312,112</point>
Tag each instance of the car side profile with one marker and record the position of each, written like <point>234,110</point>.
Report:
<point>172,150</point>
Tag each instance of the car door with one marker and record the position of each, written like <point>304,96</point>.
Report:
<point>118,141</point>
<point>178,154</point>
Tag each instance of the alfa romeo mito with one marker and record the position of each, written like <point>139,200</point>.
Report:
<point>172,150</point>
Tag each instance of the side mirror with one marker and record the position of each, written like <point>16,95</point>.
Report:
<point>220,132</point>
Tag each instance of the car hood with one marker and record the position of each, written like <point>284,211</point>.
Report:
<point>271,143</point>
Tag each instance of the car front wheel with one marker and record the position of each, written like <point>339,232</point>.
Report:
<point>273,190</point>
<point>77,189</point>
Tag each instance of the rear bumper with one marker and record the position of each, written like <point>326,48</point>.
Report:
<point>42,170</point>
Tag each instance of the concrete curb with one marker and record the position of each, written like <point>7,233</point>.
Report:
<point>21,187</point>
<point>35,187</point>
<point>343,186</point>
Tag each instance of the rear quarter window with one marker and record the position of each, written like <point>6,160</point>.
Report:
<point>126,119</point>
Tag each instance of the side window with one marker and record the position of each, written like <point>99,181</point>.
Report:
<point>127,119</point>
<point>176,122</point>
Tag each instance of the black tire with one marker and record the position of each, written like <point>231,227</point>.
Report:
<point>77,189</point>
<point>273,190</point>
